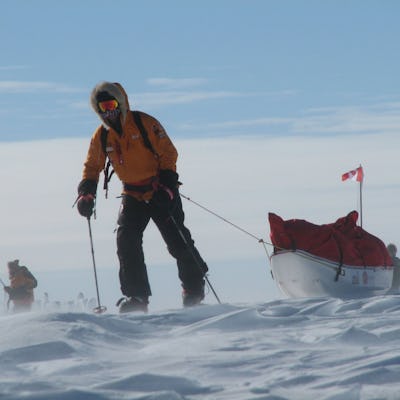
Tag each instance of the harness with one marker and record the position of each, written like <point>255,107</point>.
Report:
<point>141,187</point>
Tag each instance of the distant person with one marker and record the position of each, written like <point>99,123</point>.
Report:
<point>81,302</point>
<point>392,250</point>
<point>144,159</point>
<point>22,283</point>
<point>46,300</point>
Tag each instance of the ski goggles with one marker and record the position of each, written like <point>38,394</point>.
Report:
<point>108,105</point>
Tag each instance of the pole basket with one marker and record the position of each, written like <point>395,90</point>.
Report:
<point>100,309</point>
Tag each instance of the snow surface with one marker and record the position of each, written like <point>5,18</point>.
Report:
<point>283,349</point>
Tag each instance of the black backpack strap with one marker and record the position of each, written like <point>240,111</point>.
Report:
<point>103,138</point>
<point>107,173</point>
<point>142,129</point>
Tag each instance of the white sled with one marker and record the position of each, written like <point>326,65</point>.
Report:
<point>301,274</point>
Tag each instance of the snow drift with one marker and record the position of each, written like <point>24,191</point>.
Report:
<point>281,350</point>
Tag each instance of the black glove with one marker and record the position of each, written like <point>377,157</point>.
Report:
<point>86,194</point>
<point>87,186</point>
<point>85,205</point>
<point>164,198</point>
<point>168,178</point>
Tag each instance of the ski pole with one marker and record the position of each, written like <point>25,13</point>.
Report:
<point>189,247</point>
<point>99,309</point>
<point>8,302</point>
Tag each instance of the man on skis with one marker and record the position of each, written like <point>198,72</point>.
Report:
<point>22,283</point>
<point>144,159</point>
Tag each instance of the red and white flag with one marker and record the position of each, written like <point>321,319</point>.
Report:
<point>354,175</point>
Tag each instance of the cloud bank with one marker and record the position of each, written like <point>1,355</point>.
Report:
<point>242,179</point>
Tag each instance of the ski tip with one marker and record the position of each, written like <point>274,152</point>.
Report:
<point>100,309</point>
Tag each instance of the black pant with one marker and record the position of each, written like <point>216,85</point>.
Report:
<point>133,219</point>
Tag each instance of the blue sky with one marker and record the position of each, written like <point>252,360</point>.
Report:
<point>209,68</point>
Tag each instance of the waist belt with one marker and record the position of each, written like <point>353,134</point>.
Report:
<point>139,188</point>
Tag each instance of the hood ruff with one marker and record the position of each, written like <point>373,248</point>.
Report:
<point>116,91</point>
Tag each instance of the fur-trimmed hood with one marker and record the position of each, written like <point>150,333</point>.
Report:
<point>115,90</point>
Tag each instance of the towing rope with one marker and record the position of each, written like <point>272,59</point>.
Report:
<point>260,240</point>
<point>338,269</point>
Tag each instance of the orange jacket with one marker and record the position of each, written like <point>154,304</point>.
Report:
<point>132,161</point>
<point>21,278</point>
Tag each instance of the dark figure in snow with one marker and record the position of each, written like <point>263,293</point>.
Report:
<point>144,159</point>
<point>392,250</point>
<point>22,283</point>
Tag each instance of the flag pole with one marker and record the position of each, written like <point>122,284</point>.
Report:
<point>361,209</point>
<point>358,175</point>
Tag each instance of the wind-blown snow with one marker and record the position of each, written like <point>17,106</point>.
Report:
<point>284,349</point>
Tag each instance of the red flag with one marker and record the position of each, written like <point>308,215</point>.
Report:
<point>355,175</point>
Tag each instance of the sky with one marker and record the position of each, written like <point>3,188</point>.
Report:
<point>268,103</point>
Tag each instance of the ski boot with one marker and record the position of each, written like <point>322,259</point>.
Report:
<point>132,304</point>
<point>192,298</point>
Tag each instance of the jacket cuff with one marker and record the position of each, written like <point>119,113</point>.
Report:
<point>87,186</point>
